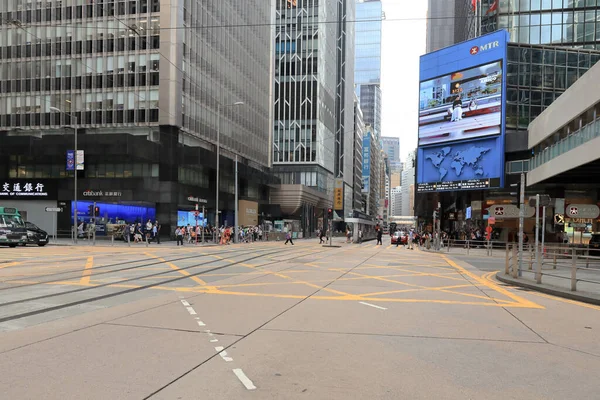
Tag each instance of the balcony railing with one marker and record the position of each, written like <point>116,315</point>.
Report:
<point>576,139</point>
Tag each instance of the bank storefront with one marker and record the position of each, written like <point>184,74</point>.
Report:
<point>129,176</point>
<point>32,197</point>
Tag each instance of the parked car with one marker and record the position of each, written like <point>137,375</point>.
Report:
<point>595,244</point>
<point>399,237</point>
<point>35,235</point>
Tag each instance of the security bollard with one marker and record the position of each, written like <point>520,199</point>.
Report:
<point>574,272</point>
<point>515,262</point>
<point>507,260</point>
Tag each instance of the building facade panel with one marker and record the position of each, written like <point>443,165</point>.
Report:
<point>142,81</point>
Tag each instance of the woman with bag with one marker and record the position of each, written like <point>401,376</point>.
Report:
<point>288,238</point>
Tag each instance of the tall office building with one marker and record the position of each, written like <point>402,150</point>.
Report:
<point>448,22</point>
<point>373,156</point>
<point>391,147</point>
<point>367,73</point>
<point>358,201</point>
<point>441,23</point>
<point>313,138</point>
<point>396,201</point>
<point>147,87</point>
<point>408,185</point>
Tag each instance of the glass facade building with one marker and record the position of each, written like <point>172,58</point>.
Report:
<point>143,81</point>
<point>368,42</point>
<point>313,96</point>
<point>448,22</point>
<point>367,74</point>
<point>571,23</point>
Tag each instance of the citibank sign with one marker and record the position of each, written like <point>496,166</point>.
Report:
<point>485,47</point>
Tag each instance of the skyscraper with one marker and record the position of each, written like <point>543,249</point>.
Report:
<point>147,88</point>
<point>448,22</point>
<point>313,137</point>
<point>367,74</point>
<point>391,147</point>
<point>440,24</point>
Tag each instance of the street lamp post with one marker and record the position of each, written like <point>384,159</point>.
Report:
<point>219,105</point>
<point>74,120</point>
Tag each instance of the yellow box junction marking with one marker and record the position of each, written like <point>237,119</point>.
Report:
<point>87,271</point>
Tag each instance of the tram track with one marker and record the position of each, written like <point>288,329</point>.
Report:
<point>139,288</point>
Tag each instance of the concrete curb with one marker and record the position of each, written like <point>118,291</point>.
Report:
<point>589,298</point>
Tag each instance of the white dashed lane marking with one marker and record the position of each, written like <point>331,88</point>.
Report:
<point>191,311</point>
<point>244,379</point>
<point>372,305</point>
<point>223,354</point>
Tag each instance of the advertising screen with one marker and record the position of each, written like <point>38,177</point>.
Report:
<point>462,105</point>
<point>185,218</point>
<point>460,166</point>
<point>461,116</point>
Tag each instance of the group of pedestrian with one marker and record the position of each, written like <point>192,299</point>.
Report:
<point>250,234</point>
<point>192,234</point>
<point>138,233</point>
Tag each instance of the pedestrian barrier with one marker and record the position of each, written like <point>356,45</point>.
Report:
<point>564,262</point>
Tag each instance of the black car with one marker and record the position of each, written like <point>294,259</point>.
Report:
<point>594,245</point>
<point>35,235</point>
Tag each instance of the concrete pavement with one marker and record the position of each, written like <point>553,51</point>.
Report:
<point>265,321</point>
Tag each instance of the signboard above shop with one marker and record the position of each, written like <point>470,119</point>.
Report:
<point>582,211</point>
<point>27,189</point>
<point>197,200</point>
<point>509,211</point>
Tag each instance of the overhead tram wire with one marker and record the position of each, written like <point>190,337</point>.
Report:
<point>269,24</point>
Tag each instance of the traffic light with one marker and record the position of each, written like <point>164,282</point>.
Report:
<point>96,211</point>
<point>330,213</point>
<point>91,210</point>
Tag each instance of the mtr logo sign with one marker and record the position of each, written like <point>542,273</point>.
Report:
<point>488,46</point>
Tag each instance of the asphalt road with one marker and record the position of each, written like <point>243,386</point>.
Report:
<point>269,321</point>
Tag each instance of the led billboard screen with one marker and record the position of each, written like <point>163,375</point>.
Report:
<point>461,116</point>
<point>462,105</point>
<point>464,165</point>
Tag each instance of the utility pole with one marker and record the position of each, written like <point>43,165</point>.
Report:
<point>235,218</point>
<point>537,232</point>
<point>521,222</point>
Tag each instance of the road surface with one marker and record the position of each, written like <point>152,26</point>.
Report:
<point>270,321</point>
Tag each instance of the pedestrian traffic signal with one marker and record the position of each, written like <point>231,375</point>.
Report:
<point>91,210</point>
<point>330,213</point>
<point>96,211</point>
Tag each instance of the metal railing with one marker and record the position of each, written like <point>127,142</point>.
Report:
<point>576,139</point>
<point>575,264</point>
<point>489,248</point>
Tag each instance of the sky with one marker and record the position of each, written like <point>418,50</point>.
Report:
<point>403,44</point>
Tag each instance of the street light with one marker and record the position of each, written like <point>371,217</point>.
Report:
<point>219,106</point>
<point>74,120</point>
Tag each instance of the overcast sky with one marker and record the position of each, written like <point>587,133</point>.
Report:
<point>403,43</point>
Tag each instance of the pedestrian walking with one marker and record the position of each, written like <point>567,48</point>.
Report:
<point>156,232</point>
<point>179,235</point>
<point>411,236</point>
<point>321,235</point>
<point>379,237</point>
<point>288,238</point>
<point>127,233</point>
